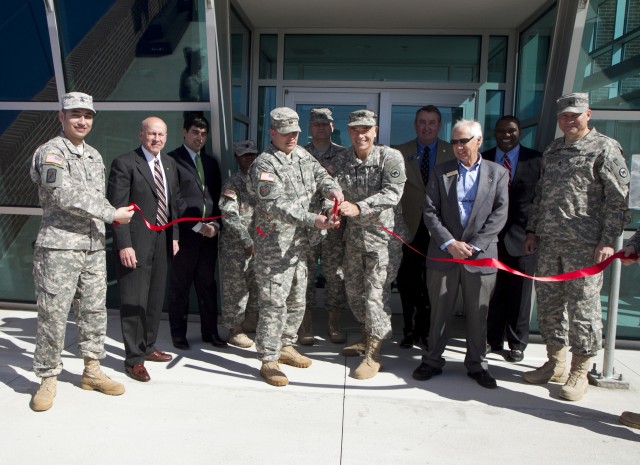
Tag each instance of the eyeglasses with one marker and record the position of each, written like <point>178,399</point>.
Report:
<point>461,141</point>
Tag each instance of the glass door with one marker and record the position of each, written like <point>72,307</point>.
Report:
<point>302,100</point>
<point>398,110</point>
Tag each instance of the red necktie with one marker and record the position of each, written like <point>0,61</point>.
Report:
<point>507,164</point>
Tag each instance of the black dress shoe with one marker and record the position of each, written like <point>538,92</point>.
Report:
<point>180,343</point>
<point>425,372</point>
<point>515,356</point>
<point>407,341</point>
<point>484,379</point>
<point>137,372</point>
<point>214,339</point>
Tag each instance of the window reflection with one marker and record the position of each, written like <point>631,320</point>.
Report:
<point>146,50</point>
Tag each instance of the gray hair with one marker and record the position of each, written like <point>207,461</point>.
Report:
<point>473,126</point>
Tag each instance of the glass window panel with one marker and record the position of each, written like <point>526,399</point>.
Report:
<point>608,66</point>
<point>528,136</point>
<point>625,132</point>
<point>266,103</point>
<point>382,57</point>
<point>17,236</point>
<point>493,111</point>
<point>340,115</point>
<point>240,59</point>
<point>535,44</point>
<point>268,56</point>
<point>146,51</point>
<point>404,116</point>
<point>497,66</point>
<point>21,132</point>
<point>26,53</point>
<point>240,130</point>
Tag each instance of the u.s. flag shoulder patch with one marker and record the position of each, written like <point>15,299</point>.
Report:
<point>230,193</point>
<point>266,176</point>
<point>53,159</point>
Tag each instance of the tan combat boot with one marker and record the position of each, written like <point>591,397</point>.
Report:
<point>576,385</point>
<point>290,356</point>
<point>238,338</point>
<point>552,370</point>
<point>43,398</point>
<point>357,348</point>
<point>335,334</point>
<point>272,374</point>
<point>250,322</point>
<point>630,419</point>
<point>371,364</point>
<point>305,332</point>
<point>93,379</point>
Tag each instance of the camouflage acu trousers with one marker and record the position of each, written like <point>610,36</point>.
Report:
<point>62,277</point>
<point>331,253</point>
<point>368,277</point>
<point>282,304</point>
<point>569,312</point>
<point>239,288</point>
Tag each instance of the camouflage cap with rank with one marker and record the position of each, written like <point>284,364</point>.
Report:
<point>320,115</point>
<point>284,120</point>
<point>575,102</point>
<point>243,147</point>
<point>74,100</point>
<point>362,118</point>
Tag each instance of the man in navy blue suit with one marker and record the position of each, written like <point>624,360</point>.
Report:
<point>510,308</point>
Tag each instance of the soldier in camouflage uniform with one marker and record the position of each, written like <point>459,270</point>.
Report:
<point>578,212</point>
<point>283,180</point>
<point>331,249</point>
<point>372,179</point>
<point>69,263</point>
<point>239,289</point>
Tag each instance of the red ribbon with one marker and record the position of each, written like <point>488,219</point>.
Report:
<point>494,263</point>
<point>154,227</point>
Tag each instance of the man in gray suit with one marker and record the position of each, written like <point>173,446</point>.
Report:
<point>465,208</point>
<point>420,157</point>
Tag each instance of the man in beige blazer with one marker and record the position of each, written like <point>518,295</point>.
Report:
<point>420,157</point>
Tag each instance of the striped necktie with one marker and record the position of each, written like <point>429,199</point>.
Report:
<point>161,216</point>
<point>507,164</point>
<point>200,170</point>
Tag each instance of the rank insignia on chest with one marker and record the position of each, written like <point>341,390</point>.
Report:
<point>53,159</point>
<point>265,190</point>
<point>230,193</point>
<point>266,176</point>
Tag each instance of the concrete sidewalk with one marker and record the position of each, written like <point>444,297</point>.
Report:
<point>210,406</point>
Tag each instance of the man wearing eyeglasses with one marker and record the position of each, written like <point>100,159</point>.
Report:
<point>579,210</point>
<point>465,208</point>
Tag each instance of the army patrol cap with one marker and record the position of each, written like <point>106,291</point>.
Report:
<point>362,118</point>
<point>284,120</point>
<point>573,103</point>
<point>320,115</point>
<point>77,100</point>
<point>243,147</point>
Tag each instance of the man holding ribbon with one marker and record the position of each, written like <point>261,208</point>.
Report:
<point>69,262</point>
<point>195,264</point>
<point>579,210</point>
<point>283,180</point>
<point>148,178</point>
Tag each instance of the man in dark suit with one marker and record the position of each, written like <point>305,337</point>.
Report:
<point>510,308</point>
<point>420,157</point>
<point>147,178</point>
<point>465,209</point>
<point>195,263</point>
